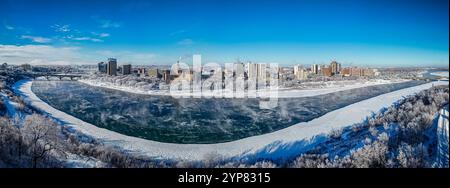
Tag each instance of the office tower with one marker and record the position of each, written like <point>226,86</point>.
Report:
<point>239,70</point>
<point>261,71</point>
<point>296,69</point>
<point>154,73</point>
<point>326,71</point>
<point>345,71</point>
<point>141,72</point>
<point>252,70</point>
<point>335,67</point>
<point>112,67</point>
<point>368,72</point>
<point>315,69</point>
<point>102,67</point>
<point>355,71</point>
<point>300,73</point>
<point>256,70</point>
<point>126,69</point>
<point>166,76</point>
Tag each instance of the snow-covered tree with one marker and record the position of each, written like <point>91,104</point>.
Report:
<point>42,137</point>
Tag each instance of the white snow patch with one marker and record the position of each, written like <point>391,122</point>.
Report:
<point>441,73</point>
<point>442,137</point>
<point>10,105</point>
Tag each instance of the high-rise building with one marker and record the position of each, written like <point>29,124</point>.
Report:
<point>261,71</point>
<point>154,73</point>
<point>141,72</point>
<point>376,72</point>
<point>355,71</point>
<point>315,69</point>
<point>300,73</point>
<point>303,74</point>
<point>256,71</point>
<point>296,69</point>
<point>112,67</point>
<point>239,70</point>
<point>326,71</point>
<point>335,67</point>
<point>126,69</point>
<point>368,72</point>
<point>321,67</point>
<point>345,71</point>
<point>102,67</point>
<point>26,67</point>
<point>251,70</point>
<point>166,76</point>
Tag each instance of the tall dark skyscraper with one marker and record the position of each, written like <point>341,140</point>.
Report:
<point>126,69</point>
<point>112,66</point>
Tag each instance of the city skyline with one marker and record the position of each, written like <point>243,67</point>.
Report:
<point>377,33</point>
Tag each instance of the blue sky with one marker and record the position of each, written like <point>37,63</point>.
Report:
<point>360,32</point>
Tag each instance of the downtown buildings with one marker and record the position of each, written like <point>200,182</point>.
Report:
<point>333,69</point>
<point>110,68</point>
<point>259,73</point>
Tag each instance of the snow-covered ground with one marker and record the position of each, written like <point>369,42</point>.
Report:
<point>10,106</point>
<point>441,73</point>
<point>72,160</point>
<point>265,93</point>
<point>282,143</point>
<point>442,137</point>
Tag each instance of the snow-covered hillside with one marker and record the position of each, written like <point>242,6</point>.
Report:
<point>442,138</point>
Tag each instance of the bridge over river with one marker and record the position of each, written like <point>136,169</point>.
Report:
<point>60,76</point>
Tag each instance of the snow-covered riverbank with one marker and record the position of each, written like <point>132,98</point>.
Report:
<point>279,93</point>
<point>10,105</point>
<point>267,145</point>
<point>441,73</point>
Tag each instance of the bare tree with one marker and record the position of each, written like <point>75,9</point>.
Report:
<point>42,137</point>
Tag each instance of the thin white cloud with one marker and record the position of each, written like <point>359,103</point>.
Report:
<point>36,39</point>
<point>178,32</point>
<point>8,27</point>
<point>61,28</point>
<point>87,39</point>
<point>109,24</point>
<point>106,23</point>
<point>75,35</point>
<point>102,35</point>
<point>50,55</point>
<point>41,54</point>
<point>186,42</point>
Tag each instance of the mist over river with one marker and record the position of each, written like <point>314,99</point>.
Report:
<point>189,120</point>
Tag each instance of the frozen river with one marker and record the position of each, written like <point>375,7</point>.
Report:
<point>193,121</point>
